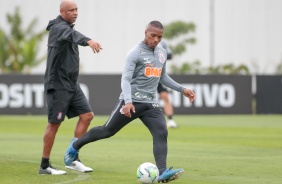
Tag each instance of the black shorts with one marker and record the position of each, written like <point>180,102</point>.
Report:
<point>149,113</point>
<point>66,103</point>
<point>161,88</point>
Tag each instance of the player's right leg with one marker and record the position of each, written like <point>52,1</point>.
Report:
<point>115,122</point>
<point>48,141</point>
<point>57,106</point>
<point>80,106</point>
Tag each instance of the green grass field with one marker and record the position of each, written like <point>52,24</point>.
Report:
<point>213,149</point>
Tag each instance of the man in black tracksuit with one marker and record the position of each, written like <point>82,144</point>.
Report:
<point>63,93</point>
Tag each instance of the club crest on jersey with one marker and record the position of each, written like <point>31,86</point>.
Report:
<point>59,115</point>
<point>161,57</point>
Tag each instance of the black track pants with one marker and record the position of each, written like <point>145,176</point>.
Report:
<point>152,117</point>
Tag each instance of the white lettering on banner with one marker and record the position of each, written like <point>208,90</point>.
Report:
<point>22,95</point>
<point>207,95</point>
<point>39,94</point>
<point>16,95</point>
<point>4,94</point>
<point>226,96</point>
<point>28,96</point>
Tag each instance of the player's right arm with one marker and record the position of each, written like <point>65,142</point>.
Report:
<point>127,108</point>
<point>127,74</point>
<point>95,46</point>
<point>66,33</point>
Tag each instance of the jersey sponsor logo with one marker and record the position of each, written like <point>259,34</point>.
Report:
<point>153,72</point>
<point>142,95</point>
<point>161,57</point>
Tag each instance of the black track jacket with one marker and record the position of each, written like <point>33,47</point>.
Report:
<point>62,68</point>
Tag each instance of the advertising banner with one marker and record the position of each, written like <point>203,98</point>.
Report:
<point>215,94</point>
<point>269,94</point>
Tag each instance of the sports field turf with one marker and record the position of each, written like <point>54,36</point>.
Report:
<point>213,149</point>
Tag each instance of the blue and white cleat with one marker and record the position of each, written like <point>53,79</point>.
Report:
<point>70,153</point>
<point>169,175</point>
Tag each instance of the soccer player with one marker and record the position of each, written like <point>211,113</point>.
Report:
<point>145,67</point>
<point>168,109</point>
<point>63,93</point>
<point>164,93</point>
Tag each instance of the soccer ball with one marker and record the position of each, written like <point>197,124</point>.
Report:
<point>147,173</point>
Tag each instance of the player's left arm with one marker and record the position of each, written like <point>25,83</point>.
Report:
<point>169,82</point>
<point>189,94</point>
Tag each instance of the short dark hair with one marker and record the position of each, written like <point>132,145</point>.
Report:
<point>156,24</point>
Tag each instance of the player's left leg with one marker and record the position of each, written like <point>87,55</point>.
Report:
<point>81,128</point>
<point>56,115</point>
<point>154,120</point>
<point>116,122</point>
<point>80,107</point>
<point>168,108</point>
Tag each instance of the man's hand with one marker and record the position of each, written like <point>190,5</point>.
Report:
<point>126,109</point>
<point>190,94</point>
<point>95,46</point>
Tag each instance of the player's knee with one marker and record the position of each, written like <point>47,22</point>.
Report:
<point>87,118</point>
<point>90,116</point>
<point>164,97</point>
<point>163,132</point>
<point>109,132</point>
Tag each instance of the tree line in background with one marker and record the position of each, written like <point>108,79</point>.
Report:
<point>178,35</point>
<point>19,49</point>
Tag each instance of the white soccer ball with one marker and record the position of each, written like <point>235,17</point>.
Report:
<point>147,173</point>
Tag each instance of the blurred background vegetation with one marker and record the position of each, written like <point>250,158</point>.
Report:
<point>179,37</point>
<point>178,34</point>
<point>19,47</point>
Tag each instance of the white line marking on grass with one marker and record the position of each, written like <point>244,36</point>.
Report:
<point>78,178</point>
